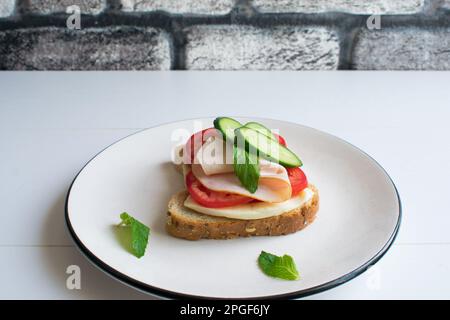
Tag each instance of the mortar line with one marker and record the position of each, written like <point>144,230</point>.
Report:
<point>163,20</point>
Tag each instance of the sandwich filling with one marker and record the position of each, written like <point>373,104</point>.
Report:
<point>254,210</point>
<point>273,185</point>
<point>215,188</point>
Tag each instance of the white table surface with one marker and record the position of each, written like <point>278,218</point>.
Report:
<point>52,123</point>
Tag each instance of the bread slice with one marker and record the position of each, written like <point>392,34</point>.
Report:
<point>185,223</point>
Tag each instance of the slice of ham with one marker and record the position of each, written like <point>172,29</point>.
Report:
<point>215,156</point>
<point>215,171</point>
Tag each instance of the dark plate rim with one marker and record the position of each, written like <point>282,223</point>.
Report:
<point>146,288</point>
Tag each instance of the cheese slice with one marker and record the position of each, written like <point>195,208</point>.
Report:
<point>255,210</point>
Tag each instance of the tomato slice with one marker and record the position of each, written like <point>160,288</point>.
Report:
<point>297,177</point>
<point>194,143</point>
<point>212,199</point>
<point>298,180</point>
<point>281,140</point>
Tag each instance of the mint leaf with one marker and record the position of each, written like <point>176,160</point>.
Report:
<point>139,234</point>
<point>278,267</point>
<point>246,168</point>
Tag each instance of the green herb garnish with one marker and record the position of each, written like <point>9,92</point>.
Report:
<point>278,267</point>
<point>139,234</point>
<point>246,168</point>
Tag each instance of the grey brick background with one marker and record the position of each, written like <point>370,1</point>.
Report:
<point>119,48</point>
<point>181,6</point>
<point>60,6</point>
<point>279,48</point>
<point>403,49</point>
<point>7,7</point>
<point>350,6</point>
<point>225,35</point>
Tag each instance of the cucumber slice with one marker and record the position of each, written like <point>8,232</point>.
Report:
<point>255,141</point>
<point>259,127</point>
<point>227,126</point>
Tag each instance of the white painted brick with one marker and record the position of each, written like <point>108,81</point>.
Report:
<point>403,49</point>
<point>60,6</point>
<point>251,48</point>
<point>7,7</point>
<point>349,6</point>
<point>118,48</point>
<point>180,6</point>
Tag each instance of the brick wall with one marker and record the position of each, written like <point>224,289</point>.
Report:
<point>225,34</point>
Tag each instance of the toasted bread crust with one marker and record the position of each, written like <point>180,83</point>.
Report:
<point>187,224</point>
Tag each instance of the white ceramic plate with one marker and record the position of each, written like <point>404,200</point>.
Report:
<point>357,222</point>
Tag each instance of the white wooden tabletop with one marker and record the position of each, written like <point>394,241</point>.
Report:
<point>51,124</point>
